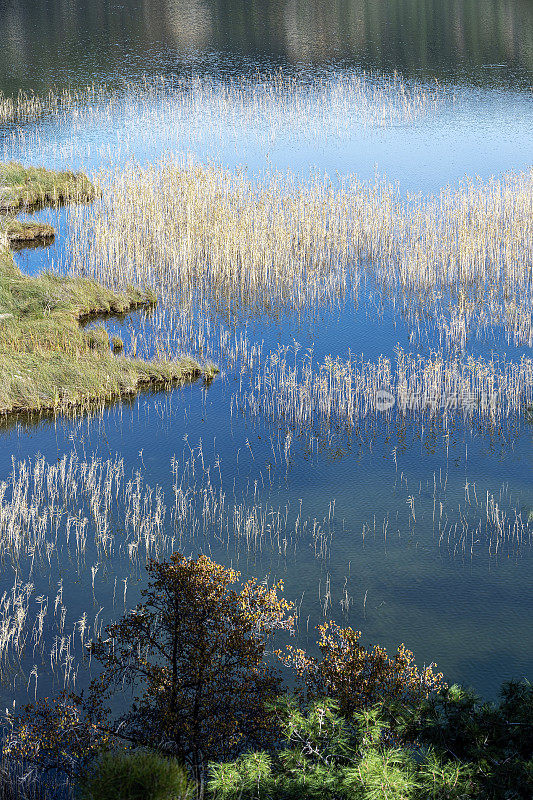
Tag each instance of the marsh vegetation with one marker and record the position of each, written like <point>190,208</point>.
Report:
<point>47,360</point>
<point>368,436</point>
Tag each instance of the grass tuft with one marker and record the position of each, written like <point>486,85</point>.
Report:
<point>25,234</point>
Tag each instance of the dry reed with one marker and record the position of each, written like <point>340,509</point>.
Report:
<point>91,516</point>
<point>211,240</point>
<point>303,393</point>
<point>274,101</point>
<point>210,236</point>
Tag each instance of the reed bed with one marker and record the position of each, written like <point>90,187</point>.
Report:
<point>303,394</point>
<point>218,247</point>
<point>35,638</point>
<point>88,519</point>
<point>272,101</point>
<point>217,240</point>
<point>483,522</point>
<point>102,125</point>
<point>488,524</point>
<point>213,236</point>
<point>30,106</point>
<point>19,782</point>
<point>76,509</point>
<point>492,521</point>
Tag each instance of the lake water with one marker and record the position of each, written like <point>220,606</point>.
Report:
<point>403,526</point>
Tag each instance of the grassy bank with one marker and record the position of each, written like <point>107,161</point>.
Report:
<point>17,235</point>
<point>31,187</point>
<point>47,361</point>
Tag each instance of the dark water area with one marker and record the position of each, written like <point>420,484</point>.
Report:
<point>413,528</point>
<point>484,42</point>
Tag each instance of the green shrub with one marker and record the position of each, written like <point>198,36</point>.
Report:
<point>140,775</point>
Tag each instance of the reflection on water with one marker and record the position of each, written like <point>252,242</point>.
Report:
<point>190,24</point>
<point>431,36</point>
<point>485,41</point>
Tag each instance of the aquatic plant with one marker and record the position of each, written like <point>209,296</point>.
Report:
<point>303,393</point>
<point>277,99</point>
<point>89,515</point>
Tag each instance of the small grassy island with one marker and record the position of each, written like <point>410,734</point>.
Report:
<point>47,360</point>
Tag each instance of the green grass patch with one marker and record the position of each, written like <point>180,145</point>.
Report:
<point>32,187</point>
<point>25,234</point>
<point>47,360</point>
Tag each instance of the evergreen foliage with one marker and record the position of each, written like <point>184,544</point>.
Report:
<point>328,756</point>
<point>451,746</point>
<point>496,739</point>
